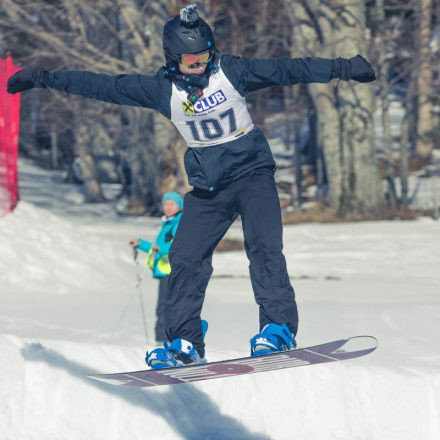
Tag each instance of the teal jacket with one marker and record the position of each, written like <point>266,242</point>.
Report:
<point>158,261</point>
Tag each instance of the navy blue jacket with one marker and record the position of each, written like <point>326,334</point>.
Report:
<point>213,167</point>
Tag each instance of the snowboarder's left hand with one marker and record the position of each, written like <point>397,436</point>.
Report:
<point>360,69</point>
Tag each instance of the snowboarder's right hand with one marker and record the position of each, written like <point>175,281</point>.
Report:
<point>134,243</point>
<point>27,79</point>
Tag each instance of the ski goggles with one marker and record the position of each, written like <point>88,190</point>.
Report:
<point>192,61</point>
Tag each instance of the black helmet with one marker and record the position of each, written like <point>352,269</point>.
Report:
<point>186,33</point>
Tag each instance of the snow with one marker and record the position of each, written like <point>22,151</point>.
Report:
<point>70,307</point>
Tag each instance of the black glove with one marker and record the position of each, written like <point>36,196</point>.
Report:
<point>28,79</point>
<point>356,68</point>
<point>361,69</point>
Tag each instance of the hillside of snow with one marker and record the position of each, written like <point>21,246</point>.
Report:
<point>70,307</point>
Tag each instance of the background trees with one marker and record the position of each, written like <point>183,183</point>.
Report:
<point>346,145</point>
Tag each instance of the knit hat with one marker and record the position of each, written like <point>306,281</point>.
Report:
<point>175,197</point>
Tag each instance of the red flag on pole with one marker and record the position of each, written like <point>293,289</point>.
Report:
<point>9,130</point>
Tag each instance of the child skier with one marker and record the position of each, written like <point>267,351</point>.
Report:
<point>157,254</point>
<point>228,162</point>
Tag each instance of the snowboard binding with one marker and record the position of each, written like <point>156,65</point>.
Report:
<point>176,354</point>
<point>273,339</point>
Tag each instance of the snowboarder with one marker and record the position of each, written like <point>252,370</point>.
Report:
<point>228,162</point>
<point>157,254</point>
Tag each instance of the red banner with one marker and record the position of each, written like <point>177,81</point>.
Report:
<point>9,129</point>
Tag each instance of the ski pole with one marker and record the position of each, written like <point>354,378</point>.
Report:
<point>139,288</point>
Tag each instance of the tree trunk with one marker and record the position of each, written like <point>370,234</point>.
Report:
<point>384,104</point>
<point>345,121</point>
<point>424,84</point>
<point>405,141</point>
<point>139,124</point>
<point>92,187</point>
<point>54,148</point>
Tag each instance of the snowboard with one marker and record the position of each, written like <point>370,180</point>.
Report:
<point>334,351</point>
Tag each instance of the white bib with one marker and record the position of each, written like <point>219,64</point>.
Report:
<point>219,116</point>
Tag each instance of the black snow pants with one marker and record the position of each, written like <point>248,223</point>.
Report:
<point>206,218</point>
<point>162,293</point>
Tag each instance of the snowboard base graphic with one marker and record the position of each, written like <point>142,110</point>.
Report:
<point>340,350</point>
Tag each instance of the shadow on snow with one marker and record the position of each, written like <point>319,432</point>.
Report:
<point>201,419</point>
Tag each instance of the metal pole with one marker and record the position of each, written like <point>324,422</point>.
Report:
<point>141,298</point>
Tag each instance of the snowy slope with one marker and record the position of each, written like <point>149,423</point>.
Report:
<point>70,306</point>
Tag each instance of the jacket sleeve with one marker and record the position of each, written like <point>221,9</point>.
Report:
<point>144,245</point>
<point>248,75</point>
<point>133,90</point>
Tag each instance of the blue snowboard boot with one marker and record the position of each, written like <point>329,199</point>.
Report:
<point>273,339</point>
<point>176,354</point>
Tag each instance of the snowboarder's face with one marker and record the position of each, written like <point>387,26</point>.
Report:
<point>194,64</point>
<point>170,208</point>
